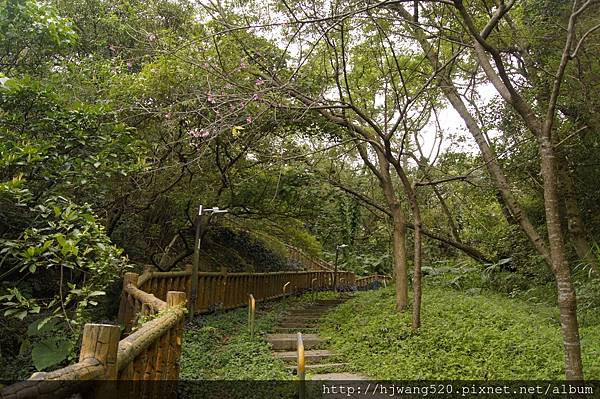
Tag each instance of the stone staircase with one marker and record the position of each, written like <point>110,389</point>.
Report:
<point>320,362</point>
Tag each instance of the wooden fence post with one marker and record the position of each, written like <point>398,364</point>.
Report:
<point>125,307</point>
<point>101,342</point>
<point>174,299</point>
<point>223,289</point>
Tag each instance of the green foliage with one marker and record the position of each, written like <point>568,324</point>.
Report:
<point>66,243</point>
<point>220,347</point>
<point>462,337</point>
<point>50,351</point>
<point>30,31</point>
<point>60,147</point>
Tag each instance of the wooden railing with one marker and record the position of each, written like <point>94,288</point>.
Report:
<point>150,353</point>
<point>222,290</point>
<point>365,282</point>
<point>152,310</point>
<point>308,262</point>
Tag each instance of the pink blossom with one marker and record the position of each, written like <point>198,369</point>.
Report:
<point>210,98</point>
<point>168,115</point>
<point>129,65</point>
<point>249,120</point>
<point>257,96</point>
<point>199,133</point>
<point>259,82</point>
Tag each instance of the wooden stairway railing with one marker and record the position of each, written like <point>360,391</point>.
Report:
<point>151,353</point>
<point>152,349</point>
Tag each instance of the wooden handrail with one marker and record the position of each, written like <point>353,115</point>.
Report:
<point>146,298</point>
<point>153,350</point>
<point>133,345</point>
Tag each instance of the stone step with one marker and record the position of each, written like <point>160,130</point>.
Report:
<point>339,377</point>
<point>316,307</point>
<point>294,316</point>
<point>310,356</point>
<point>297,324</point>
<point>307,313</point>
<point>293,330</point>
<point>319,367</point>
<point>303,320</point>
<point>289,342</point>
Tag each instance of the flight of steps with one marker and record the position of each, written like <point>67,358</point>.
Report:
<point>320,362</point>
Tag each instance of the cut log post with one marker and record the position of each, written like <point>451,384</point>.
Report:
<point>175,299</point>
<point>100,342</point>
<point>125,307</point>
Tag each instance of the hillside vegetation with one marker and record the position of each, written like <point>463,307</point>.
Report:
<point>481,336</point>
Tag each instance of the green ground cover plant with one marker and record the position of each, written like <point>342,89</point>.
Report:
<point>464,336</point>
<point>219,346</point>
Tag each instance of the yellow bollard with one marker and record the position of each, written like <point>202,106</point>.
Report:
<point>251,314</point>
<point>301,372</point>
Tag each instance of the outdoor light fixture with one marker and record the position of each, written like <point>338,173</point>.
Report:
<point>196,260</point>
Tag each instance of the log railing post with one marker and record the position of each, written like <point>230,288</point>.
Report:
<point>175,299</point>
<point>126,306</point>
<point>101,342</point>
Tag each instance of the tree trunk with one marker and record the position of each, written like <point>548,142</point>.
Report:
<point>382,171</point>
<point>566,293</point>
<point>409,189</point>
<point>400,259</point>
<point>399,234</point>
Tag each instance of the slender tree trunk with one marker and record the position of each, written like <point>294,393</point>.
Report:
<point>409,189</point>
<point>399,234</point>
<point>417,287</point>
<point>566,293</point>
<point>382,171</point>
<point>400,260</point>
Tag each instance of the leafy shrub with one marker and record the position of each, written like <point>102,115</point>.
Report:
<point>53,275</point>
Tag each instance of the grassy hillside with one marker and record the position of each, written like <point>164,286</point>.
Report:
<point>463,337</point>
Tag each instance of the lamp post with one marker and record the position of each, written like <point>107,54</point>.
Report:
<point>335,271</point>
<point>196,259</point>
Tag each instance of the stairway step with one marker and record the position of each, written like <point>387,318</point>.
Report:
<point>308,313</point>
<point>310,316</point>
<point>339,377</point>
<point>312,356</point>
<point>293,330</point>
<point>320,366</point>
<point>289,342</point>
<point>304,320</point>
<point>297,325</point>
